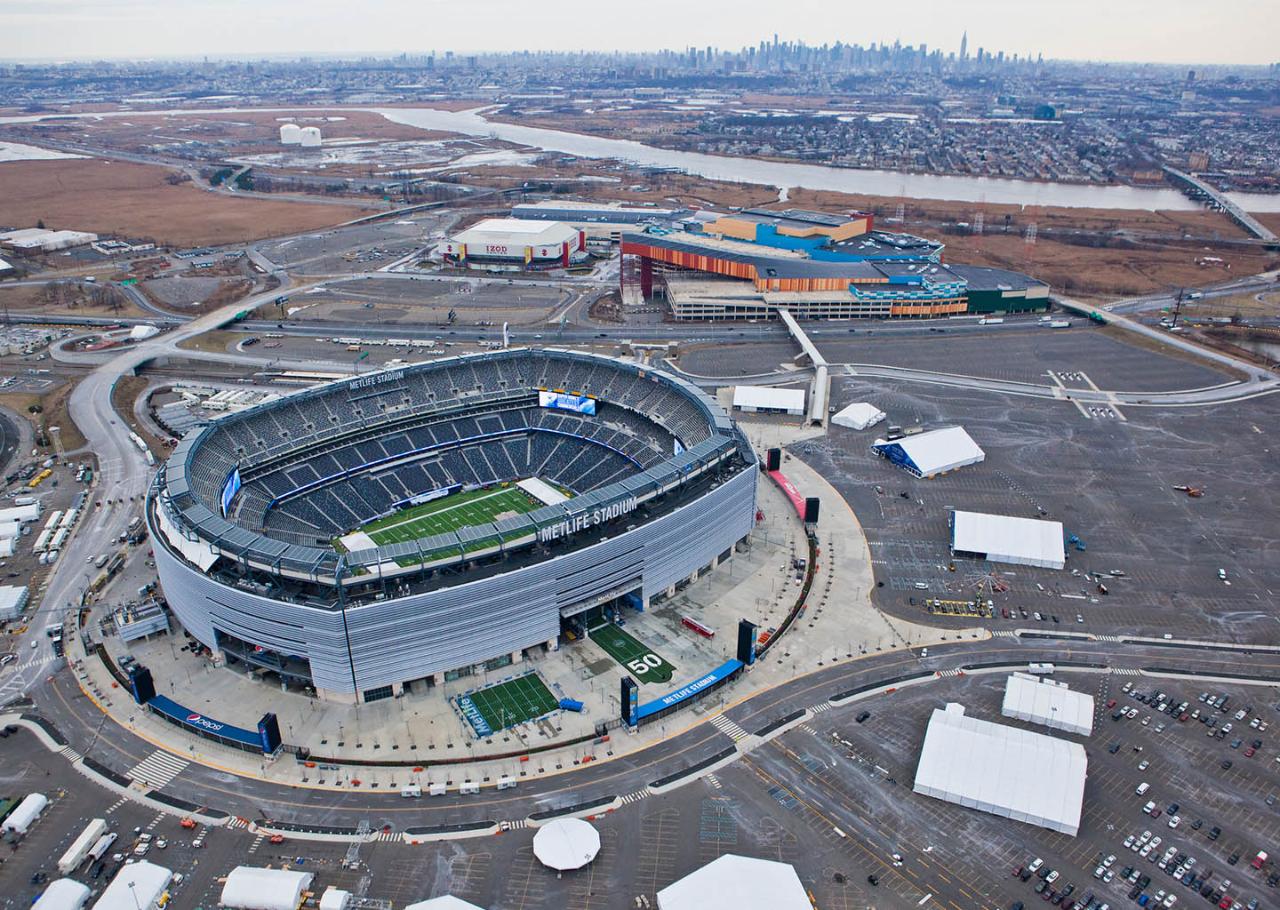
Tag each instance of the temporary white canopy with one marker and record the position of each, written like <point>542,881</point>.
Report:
<point>1009,772</point>
<point>1000,538</point>
<point>444,902</point>
<point>253,888</point>
<point>765,398</point>
<point>143,332</point>
<point>934,452</point>
<point>137,886</point>
<point>566,843</point>
<point>735,882</point>
<point>858,416</point>
<point>335,899</point>
<point>62,894</point>
<point>1043,701</point>
<point>28,811</point>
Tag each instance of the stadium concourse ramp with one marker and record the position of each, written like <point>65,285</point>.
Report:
<point>820,390</point>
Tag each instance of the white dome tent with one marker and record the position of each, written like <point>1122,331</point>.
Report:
<point>566,843</point>
<point>443,902</point>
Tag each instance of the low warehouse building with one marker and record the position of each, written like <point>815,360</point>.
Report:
<point>1028,777</point>
<point>512,243</point>
<point>932,453</point>
<point>1001,538</point>
<point>858,416</point>
<point>755,399</point>
<point>1052,704</point>
<point>253,888</point>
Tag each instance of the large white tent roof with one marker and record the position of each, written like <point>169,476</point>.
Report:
<point>735,882</point>
<point>858,415</point>
<point>63,894</point>
<point>253,888</point>
<point>566,843</point>
<point>528,233</point>
<point>760,396</point>
<point>1001,538</point>
<point>935,451</point>
<point>1014,773</point>
<point>1043,701</point>
<point>444,902</point>
<point>137,886</point>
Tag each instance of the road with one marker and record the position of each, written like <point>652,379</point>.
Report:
<point>60,701</point>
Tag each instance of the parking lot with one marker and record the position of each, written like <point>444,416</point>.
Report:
<point>1112,483</point>
<point>360,248</point>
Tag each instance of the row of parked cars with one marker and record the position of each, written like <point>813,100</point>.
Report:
<point>1048,890</point>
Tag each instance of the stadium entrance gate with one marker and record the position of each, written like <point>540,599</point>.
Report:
<point>576,618</point>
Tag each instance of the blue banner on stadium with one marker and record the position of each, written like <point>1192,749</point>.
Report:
<point>692,690</point>
<point>207,727</point>
<point>579,404</point>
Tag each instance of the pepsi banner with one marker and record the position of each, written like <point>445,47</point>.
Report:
<point>579,404</point>
<point>207,727</point>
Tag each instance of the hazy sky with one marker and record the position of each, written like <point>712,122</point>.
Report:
<point>1178,31</point>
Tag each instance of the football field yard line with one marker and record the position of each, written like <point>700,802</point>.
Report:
<point>636,658</point>
<point>472,511</point>
<point>514,701</point>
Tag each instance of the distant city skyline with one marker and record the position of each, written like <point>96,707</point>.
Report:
<point>1137,31</point>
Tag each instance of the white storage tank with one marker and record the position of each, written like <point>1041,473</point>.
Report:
<point>311,137</point>
<point>290,134</point>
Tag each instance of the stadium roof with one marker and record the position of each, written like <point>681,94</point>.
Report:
<point>735,882</point>
<point>858,416</point>
<point>1001,538</point>
<point>478,230</point>
<point>933,452</point>
<point>1017,774</point>
<point>768,398</point>
<point>1043,701</point>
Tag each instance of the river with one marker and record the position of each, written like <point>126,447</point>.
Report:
<point>820,177</point>
<point>779,174</point>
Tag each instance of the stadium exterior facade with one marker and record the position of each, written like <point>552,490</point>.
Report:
<point>364,625</point>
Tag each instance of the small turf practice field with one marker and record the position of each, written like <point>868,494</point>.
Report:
<point>449,513</point>
<point>507,704</point>
<point>639,660</point>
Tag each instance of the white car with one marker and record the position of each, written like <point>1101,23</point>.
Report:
<point>1109,861</point>
<point>1035,865</point>
<point>1052,877</point>
<point>1174,821</point>
<point>1130,841</point>
<point>1146,836</point>
<point>1097,873</point>
<point>1144,765</point>
<point>1170,900</point>
<point>1108,875</point>
<point>1145,851</point>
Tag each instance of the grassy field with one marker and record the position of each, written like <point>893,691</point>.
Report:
<point>448,514</point>
<point>640,661</point>
<point>507,704</point>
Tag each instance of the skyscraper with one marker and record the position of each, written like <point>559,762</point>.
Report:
<point>964,46</point>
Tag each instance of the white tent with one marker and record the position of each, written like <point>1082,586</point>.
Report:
<point>254,888</point>
<point>1043,701</point>
<point>444,902</point>
<point>137,886</point>
<point>735,882</point>
<point>1013,773</point>
<point>858,416</point>
<point>21,818</point>
<point>1001,538</point>
<point>931,453</point>
<point>752,398</point>
<point>335,899</point>
<point>62,894</point>
<point>143,332</point>
<point>566,843</point>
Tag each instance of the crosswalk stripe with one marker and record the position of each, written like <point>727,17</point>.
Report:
<point>158,769</point>
<point>729,728</point>
<point>635,797</point>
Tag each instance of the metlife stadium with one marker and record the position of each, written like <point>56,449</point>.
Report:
<point>249,513</point>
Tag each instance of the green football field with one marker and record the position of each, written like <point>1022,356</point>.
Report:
<point>639,660</point>
<point>448,514</point>
<point>507,704</point>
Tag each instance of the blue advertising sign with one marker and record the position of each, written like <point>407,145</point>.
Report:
<point>207,727</point>
<point>579,404</point>
<point>687,692</point>
<point>229,490</point>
